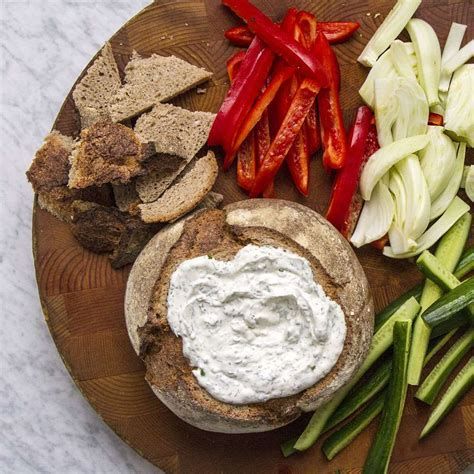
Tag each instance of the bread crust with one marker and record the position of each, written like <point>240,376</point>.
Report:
<point>272,222</point>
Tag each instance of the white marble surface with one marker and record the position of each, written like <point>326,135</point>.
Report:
<point>45,424</point>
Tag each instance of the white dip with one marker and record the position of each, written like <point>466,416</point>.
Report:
<point>256,327</point>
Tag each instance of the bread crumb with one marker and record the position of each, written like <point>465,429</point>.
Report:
<point>368,14</point>
<point>163,37</point>
<point>201,90</point>
<point>186,24</point>
<point>377,15</point>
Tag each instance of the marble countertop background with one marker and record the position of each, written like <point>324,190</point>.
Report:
<point>45,424</point>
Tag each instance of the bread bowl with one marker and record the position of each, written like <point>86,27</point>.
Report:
<point>265,222</point>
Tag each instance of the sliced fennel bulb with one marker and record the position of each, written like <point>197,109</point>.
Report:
<point>455,210</point>
<point>384,158</point>
<point>469,187</point>
<point>428,56</point>
<point>461,57</point>
<point>439,205</point>
<point>452,46</point>
<point>403,59</point>
<point>401,109</point>
<point>437,160</point>
<point>459,117</point>
<point>391,27</point>
<point>375,218</point>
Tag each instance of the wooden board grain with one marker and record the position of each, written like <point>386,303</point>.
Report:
<point>82,297</point>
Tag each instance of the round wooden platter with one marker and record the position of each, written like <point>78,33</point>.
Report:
<point>82,296</point>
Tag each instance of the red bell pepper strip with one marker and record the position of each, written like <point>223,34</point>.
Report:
<point>347,180</point>
<point>262,137</point>
<point>278,40</point>
<point>239,35</point>
<point>282,73</point>
<point>298,162</point>
<point>233,64</point>
<point>307,25</point>
<point>330,114</point>
<point>334,31</point>
<point>338,31</point>
<point>313,134</point>
<point>289,129</point>
<point>247,163</point>
<point>380,243</point>
<point>242,93</point>
<point>435,119</point>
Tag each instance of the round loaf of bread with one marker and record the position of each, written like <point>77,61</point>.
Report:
<point>223,233</point>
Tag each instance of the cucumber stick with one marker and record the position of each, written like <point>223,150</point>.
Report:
<point>431,386</point>
<point>465,264</point>
<point>287,448</point>
<point>433,269</point>
<point>343,437</point>
<point>437,345</point>
<point>449,251</point>
<point>379,455</point>
<point>459,386</point>
<point>381,341</point>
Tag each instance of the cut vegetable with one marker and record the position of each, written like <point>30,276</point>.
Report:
<point>469,181</point>
<point>440,204</point>
<point>440,313</point>
<point>287,448</point>
<point>435,380</point>
<point>391,27</point>
<point>344,436</point>
<point>401,109</point>
<point>375,218</point>
<point>379,455</point>
<point>461,57</point>
<point>433,269</point>
<point>459,116</point>
<point>381,341</point>
<point>428,55</point>
<point>360,394</point>
<point>449,251</point>
<point>403,60</point>
<point>460,385</point>
<point>451,47</point>
<point>437,161</point>
<point>466,263</point>
<point>437,344</point>
<point>454,212</point>
<point>382,160</point>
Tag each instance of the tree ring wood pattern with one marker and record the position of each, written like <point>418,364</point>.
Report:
<point>82,297</point>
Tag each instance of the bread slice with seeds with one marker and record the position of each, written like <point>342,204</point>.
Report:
<point>149,81</point>
<point>94,92</point>
<point>185,193</point>
<point>107,152</point>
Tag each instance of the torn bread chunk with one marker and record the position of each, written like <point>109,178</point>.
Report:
<point>175,131</point>
<point>149,81</point>
<point>185,193</point>
<point>94,92</point>
<point>126,197</point>
<point>107,153</point>
<point>50,165</point>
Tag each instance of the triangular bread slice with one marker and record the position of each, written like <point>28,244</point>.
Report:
<point>149,81</point>
<point>93,94</point>
<point>185,193</point>
<point>174,130</point>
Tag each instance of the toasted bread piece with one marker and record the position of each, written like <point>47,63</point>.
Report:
<point>126,197</point>
<point>185,193</point>
<point>58,200</point>
<point>95,90</point>
<point>175,131</point>
<point>50,166</point>
<point>107,152</point>
<point>149,81</point>
<point>162,170</point>
<point>262,222</point>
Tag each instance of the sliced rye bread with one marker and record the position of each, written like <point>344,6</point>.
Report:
<point>58,200</point>
<point>185,193</point>
<point>107,153</point>
<point>126,197</point>
<point>262,222</point>
<point>50,165</point>
<point>175,131</point>
<point>94,92</point>
<point>149,81</point>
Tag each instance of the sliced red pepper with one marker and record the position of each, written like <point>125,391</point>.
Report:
<point>278,40</point>
<point>240,36</point>
<point>335,32</point>
<point>247,163</point>
<point>307,25</point>
<point>233,64</point>
<point>347,180</point>
<point>330,114</point>
<point>380,243</point>
<point>289,129</point>
<point>242,93</point>
<point>313,134</point>
<point>435,119</point>
<point>338,31</point>
<point>282,73</point>
<point>298,162</point>
<point>262,137</point>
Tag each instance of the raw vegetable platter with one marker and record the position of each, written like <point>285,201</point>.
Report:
<point>82,296</point>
